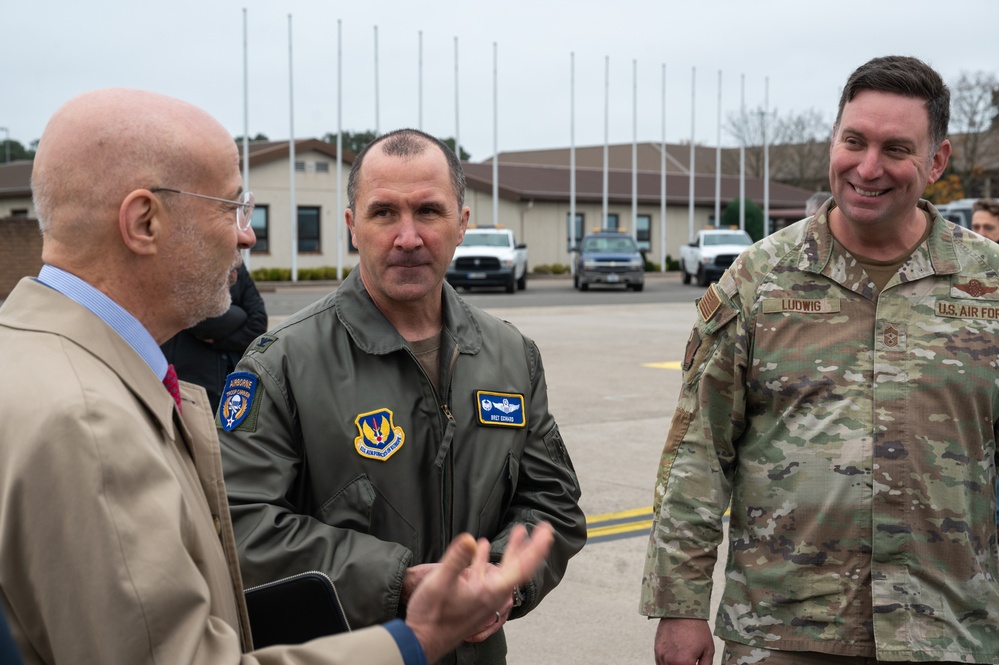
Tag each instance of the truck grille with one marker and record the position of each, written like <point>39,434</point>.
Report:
<point>725,260</point>
<point>477,263</point>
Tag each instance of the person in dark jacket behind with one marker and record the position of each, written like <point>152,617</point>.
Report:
<point>364,432</point>
<point>205,353</point>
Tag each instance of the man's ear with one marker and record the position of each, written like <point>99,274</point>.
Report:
<point>140,222</point>
<point>466,212</point>
<point>348,218</point>
<point>938,162</point>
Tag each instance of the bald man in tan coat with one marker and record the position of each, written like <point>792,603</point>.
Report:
<point>116,540</point>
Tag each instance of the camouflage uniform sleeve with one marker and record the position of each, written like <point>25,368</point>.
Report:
<point>694,480</point>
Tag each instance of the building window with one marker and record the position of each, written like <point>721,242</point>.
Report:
<point>261,228</point>
<point>612,222</point>
<point>300,166</point>
<point>19,212</point>
<point>322,167</point>
<point>308,230</point>
<point>643,232</point>
<point>574,232</point>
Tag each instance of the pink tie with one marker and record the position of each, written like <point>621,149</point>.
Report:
<point>172,386</point>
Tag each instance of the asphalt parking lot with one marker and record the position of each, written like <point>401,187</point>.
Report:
<point>612,362</point>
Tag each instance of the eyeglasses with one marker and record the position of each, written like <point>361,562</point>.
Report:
<point>244,206</point>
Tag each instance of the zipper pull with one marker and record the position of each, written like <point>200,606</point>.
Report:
<point>447,412</point>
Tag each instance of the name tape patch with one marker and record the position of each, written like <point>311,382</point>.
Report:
<point>379,437</point>
<point>775,305</point>
<point>968,310</point>
<point>500,409</point>
<point>237,398</point>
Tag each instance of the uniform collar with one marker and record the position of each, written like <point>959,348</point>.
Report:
<point>821,254</point>
<point>372,332</point>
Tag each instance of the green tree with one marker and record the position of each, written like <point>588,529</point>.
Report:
<point>258,137</point>
<point>17,151</point>
<point>754,218</point>
<point>352,141</point>
<point>449,142</point>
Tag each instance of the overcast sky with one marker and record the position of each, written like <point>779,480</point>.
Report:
<point>193,49</point>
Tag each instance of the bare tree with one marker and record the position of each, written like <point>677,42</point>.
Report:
<point>973,127</point>
<point>799,144</point>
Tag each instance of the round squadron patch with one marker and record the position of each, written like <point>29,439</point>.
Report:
<point>379,437</point>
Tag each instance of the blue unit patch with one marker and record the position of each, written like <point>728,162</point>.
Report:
<point>501,409</point>
<point>237,398</point>
<point>379,437</point>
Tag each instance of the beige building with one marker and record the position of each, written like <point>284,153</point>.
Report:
<point>534,199</point>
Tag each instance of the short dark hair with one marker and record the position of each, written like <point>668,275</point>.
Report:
<point>405,143</point>
<point>903,75</point>
<point>990,206</point>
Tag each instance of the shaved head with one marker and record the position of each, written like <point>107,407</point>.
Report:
<point>104,144</point>
<point>101,165</point>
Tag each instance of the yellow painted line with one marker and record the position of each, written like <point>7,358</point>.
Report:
<point>634,512</point>
<point>672,364</point>
<point>619,528</point>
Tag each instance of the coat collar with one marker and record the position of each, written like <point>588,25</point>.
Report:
<point>34,306</point>
<point>372,332</point>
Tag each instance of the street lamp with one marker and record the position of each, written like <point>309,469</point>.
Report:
<point>6,144</point>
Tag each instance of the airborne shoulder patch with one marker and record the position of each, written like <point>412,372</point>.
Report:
<point>237,399</point>
<point>500,409</point>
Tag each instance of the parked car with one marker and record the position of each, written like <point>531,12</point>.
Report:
<point>489,256</point>
<point>958,211</point>
<point>609,258</point>
<point>711,253</point>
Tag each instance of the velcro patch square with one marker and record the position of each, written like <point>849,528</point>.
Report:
<point>500,409</point>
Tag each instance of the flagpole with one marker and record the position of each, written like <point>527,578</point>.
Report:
<point>246,123</point>
<point>604,219</point>
<point>766,155</point>
<point>690,193</point>
<point>742,158</point>
<point>340,222</point>
<point>291,160</point>
<point>419,124</point>
<point>662,184</point>
<point>718,167</point>
<point>572,162</point>
<point>496,142</point>
<point>457,124</point>
<point>377,114</point>
<point>634,149</point>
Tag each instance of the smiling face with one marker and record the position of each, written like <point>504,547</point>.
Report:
<point>405,224</point>
<point>881,159</point>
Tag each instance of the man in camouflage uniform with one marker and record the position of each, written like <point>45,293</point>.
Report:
<point>840,392</point>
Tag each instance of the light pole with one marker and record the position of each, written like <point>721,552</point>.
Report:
<point>6,144</point>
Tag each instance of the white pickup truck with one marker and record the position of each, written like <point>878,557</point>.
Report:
<point>711,253</point>
<point>489,256</point>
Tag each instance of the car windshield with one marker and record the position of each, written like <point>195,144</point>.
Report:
<point>473,239</point>
<point>623,245</point>
<point>727,239</point>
